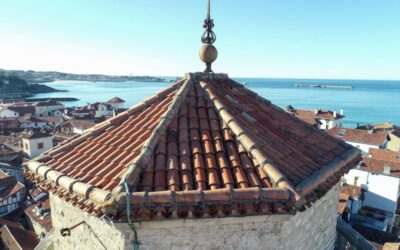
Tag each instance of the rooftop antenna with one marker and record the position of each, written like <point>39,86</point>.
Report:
<point>208,53</point>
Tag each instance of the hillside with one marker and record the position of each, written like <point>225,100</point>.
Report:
<point>14,87</point>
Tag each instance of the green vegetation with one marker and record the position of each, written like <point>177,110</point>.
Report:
<point>12,86</point>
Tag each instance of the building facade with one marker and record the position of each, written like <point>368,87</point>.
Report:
<point>36,143</point>
<point>12,194</point>
<point>361,139</point>
<point>47,108</point>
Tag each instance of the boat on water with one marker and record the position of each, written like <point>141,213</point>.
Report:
<point>323,86</point>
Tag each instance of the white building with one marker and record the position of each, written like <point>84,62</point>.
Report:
<point>36,143</point>
<point>80,126</point>
<point>103,110</point>
<point>323,119</point>
<point>116,102</point>
<point>362,139</point>
<point>12,193</point>
<point>40,121</point>
<point>17,110</point>
<point>8,113</point>
<point>46,108</point>
<point>380,202</point>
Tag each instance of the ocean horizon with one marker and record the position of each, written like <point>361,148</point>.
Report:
<point>369,101</point>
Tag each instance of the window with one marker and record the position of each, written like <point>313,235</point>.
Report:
<point>355,180</point>
<point>3,209</point>
<point>40,145</point>
<point>26,146</point>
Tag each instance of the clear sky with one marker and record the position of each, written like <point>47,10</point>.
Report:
<point>343,39</point>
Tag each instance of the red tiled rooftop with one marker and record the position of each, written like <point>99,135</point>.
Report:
<point>316,114</point>
<point>44,221</point>
<point>384,154</point>
<point>377,166</point>
<point>115,100</point>
<point>351,190</point>
<point>209,141</point>
<point>346,192</point>
<point>22,109</point>
<point>359,135</point>
<point>82,124</point>
<point>10,186</point>
<point>18,238</point>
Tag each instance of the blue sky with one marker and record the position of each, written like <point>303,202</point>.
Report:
<point>343,39</point>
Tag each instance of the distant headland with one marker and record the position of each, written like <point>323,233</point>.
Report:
<point>14,87</point>
<point>50,76</point>
<point>322,86</point>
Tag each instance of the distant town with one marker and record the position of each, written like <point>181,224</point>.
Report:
<point>32,76</point>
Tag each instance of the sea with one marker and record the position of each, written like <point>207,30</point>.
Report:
<point>369,101</point>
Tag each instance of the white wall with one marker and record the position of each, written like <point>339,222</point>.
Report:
<point>8,113</point>
<point>44,110</point>
<point>102,111</point>
<point>117,105</point>
<point>362,146</point>
<point>33,150</point>
<point>383,190</point>
<point>330,123</point>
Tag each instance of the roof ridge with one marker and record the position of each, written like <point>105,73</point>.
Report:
<point>100,127</point>
<point>77,186</point>
<point>150,144</point>
<point>277,178</point>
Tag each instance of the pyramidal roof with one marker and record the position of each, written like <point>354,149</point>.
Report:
<point>205,146</point>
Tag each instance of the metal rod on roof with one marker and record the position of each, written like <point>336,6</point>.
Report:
<point>209,8</point>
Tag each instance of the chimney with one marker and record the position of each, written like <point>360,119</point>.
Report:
<point>386,170</point>
<point>316,111</point>
<point>334,114</point>
<point>341,112</point>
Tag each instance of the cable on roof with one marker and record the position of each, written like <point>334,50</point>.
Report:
<point>128,214</point>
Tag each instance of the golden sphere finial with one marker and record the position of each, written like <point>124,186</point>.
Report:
<point>208,54</point>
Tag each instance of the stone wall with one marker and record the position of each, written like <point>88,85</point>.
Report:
<point>93,234</point>
<point>314,228</point>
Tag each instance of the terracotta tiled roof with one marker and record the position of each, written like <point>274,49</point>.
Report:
<point>35,135</point>
<point>9,123</point>
<point>351,190</point>
<point>359,135</point>
<point>18,238</point>
<point>9,223</point>
<point>311,114</point>
<point>50,118</point>
<point>50,102</point>
<point>82,124</point>
<point>384,154</point>
<point>377,166</point>
<point>200,142</point>
<point>115,100</point>
<point>22,110</point>
<point>343,198</point>
<point>9,186</point>
<point>40,197</point>
<point>348,192</point>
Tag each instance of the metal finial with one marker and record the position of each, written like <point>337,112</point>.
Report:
<point>208,36</point>
<point>208,9</point>
<point>208,53</point>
